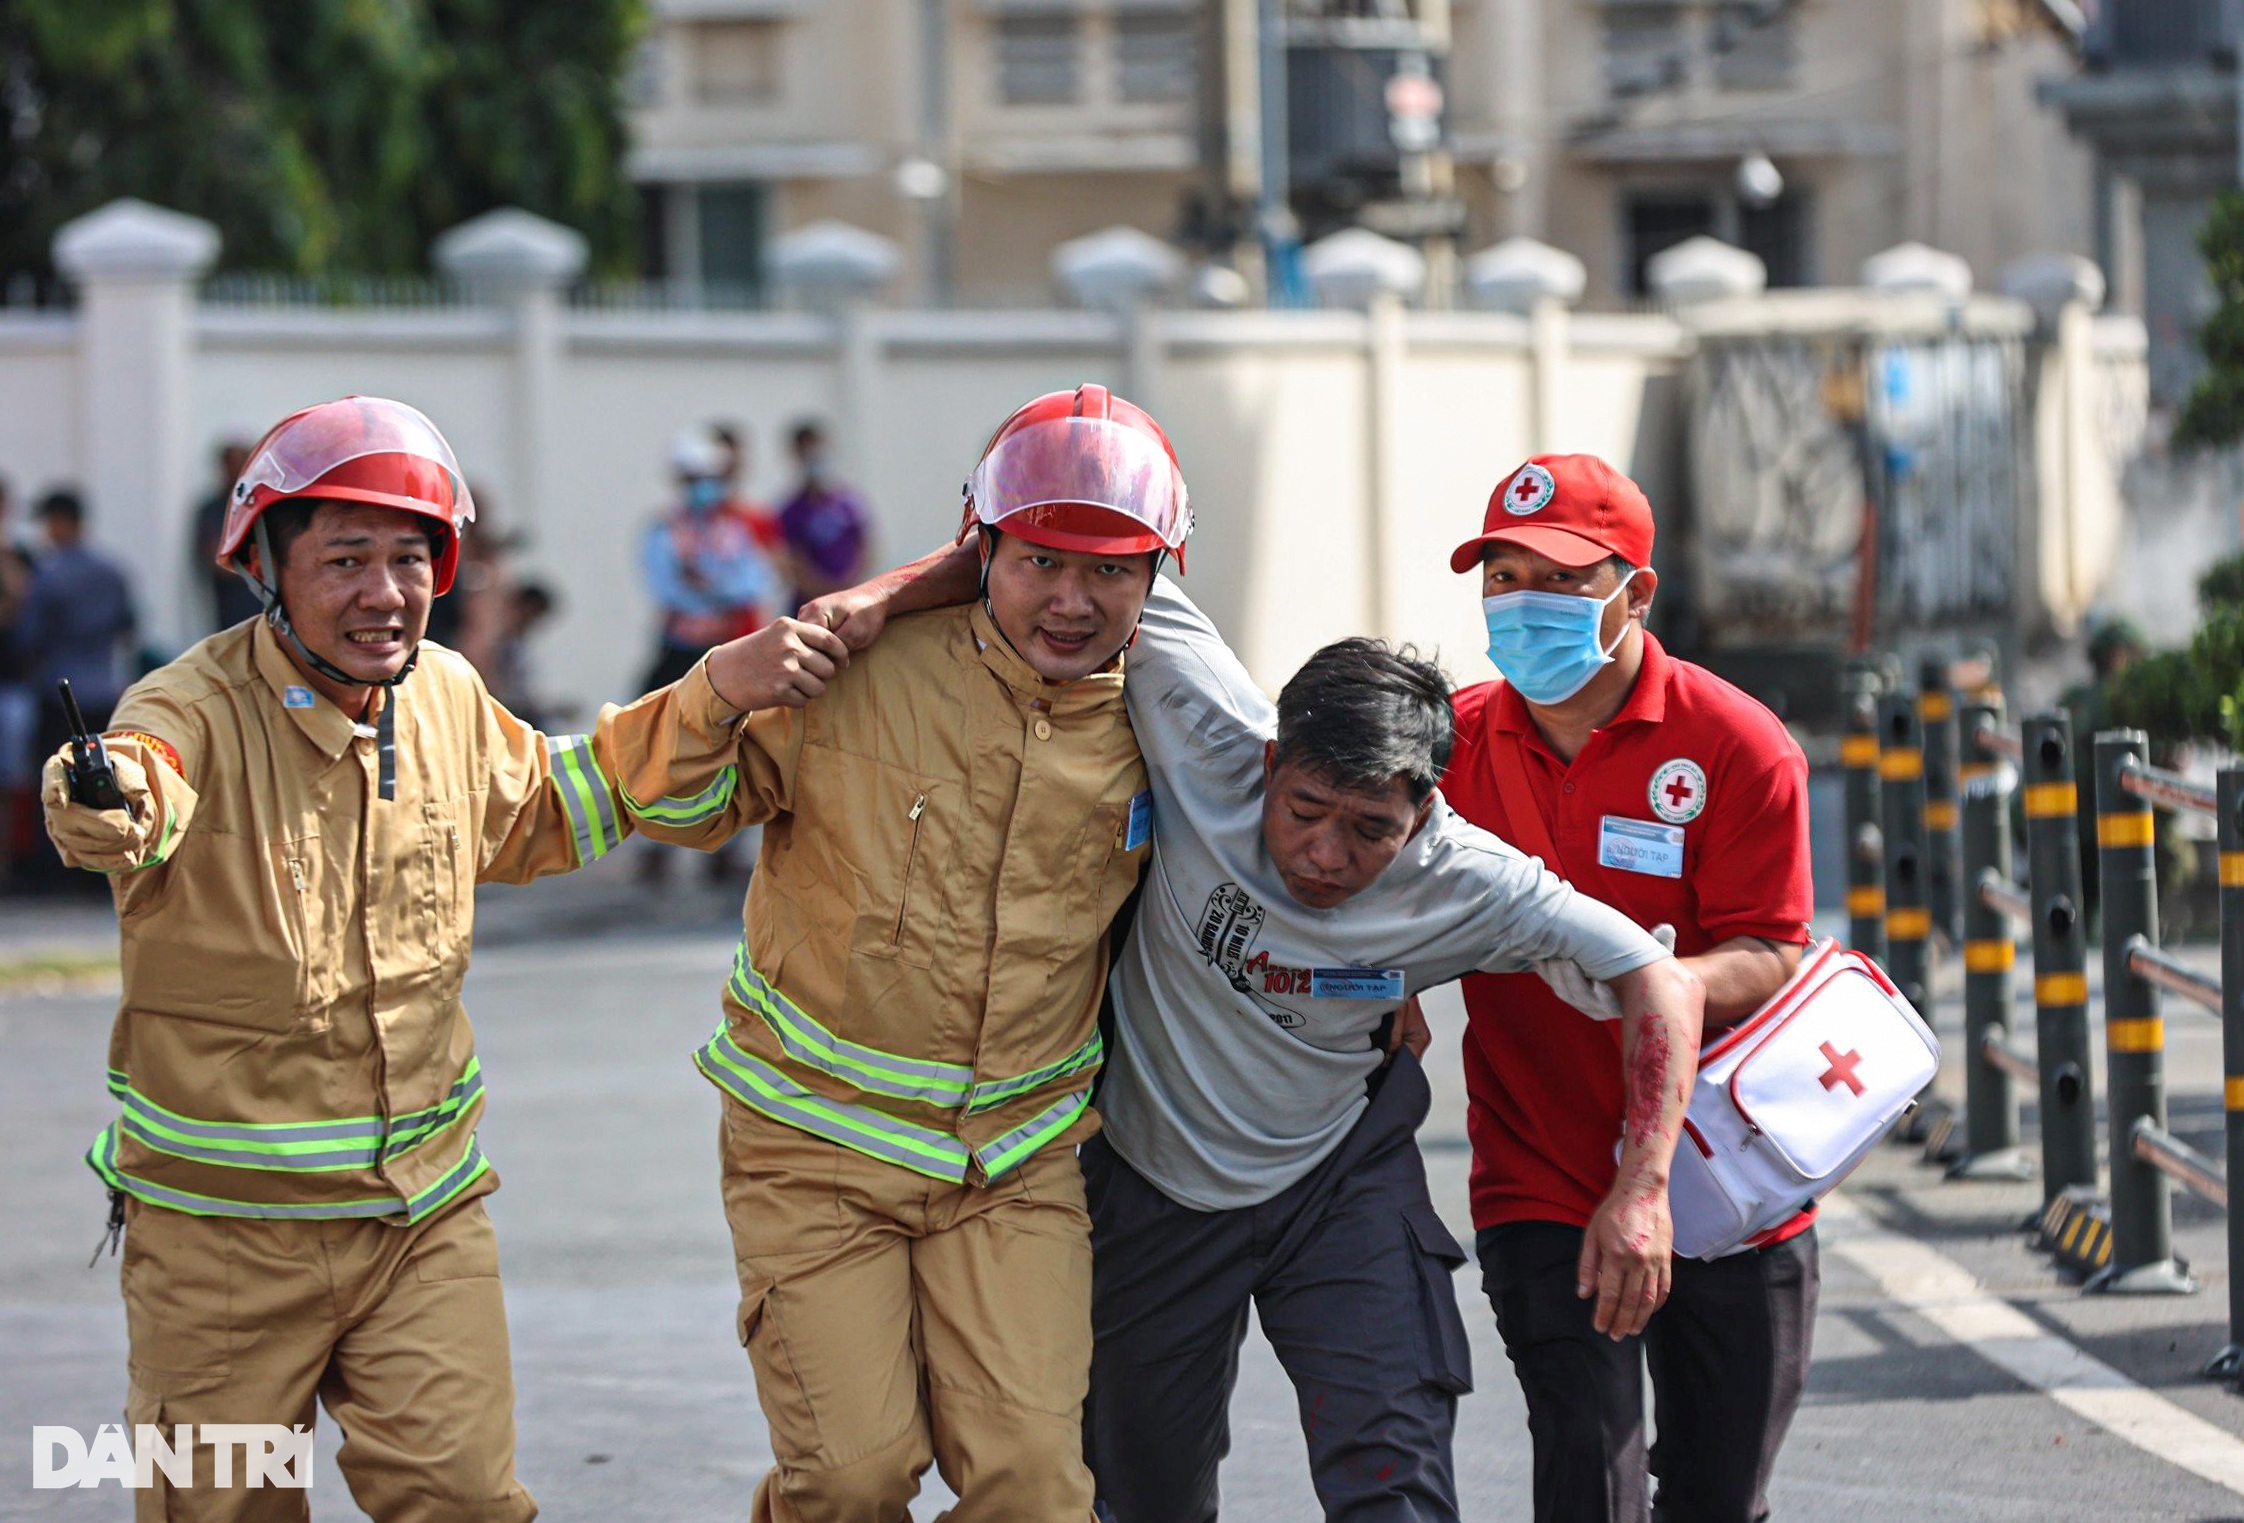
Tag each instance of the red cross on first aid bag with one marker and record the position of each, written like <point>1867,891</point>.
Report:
<point>1793,1097</point>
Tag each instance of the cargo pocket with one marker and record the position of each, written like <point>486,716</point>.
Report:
<point>792,1424</point>
<point>144,1406</point>
<point>1449,1361</point>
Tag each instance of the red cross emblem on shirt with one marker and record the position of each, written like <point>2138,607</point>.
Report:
<point>1841,1071</point>
<point>1678,790</point>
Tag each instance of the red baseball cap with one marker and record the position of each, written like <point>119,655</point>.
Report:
<point>1573,509</point>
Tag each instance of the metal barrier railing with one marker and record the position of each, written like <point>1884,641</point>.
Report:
<point>1896,783</point>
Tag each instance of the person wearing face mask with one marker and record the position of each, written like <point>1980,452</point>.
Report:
<point>1655,786</point>
<point>309,799</point>
<point>708,562</point>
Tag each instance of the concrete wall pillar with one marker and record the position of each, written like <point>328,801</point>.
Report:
<point>135,267</point>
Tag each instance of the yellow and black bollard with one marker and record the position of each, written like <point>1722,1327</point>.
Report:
<point>1866,851</point>
<point>2061,1037</point>
<point>1936,725</point>
<point>1990,1149</point>
<point>2228,1364</point>
<point>2143,1260</point>
<point>1901,780</point>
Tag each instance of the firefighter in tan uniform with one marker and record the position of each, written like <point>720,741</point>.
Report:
<point>911,1027</point>
<point>312,798</point>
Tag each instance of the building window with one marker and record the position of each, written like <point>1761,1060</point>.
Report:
<point>1038,60</point>
<point>735,63</point>
<point>1754,47</point>
<point>1656,223</point>
<point>1156,55</point>
<point>1646,48</point>
<point>1779,233</point>
<point>730,232</point>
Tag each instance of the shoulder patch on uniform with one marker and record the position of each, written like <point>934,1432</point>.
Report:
<point>155,743</point>
<point>1678,791</point>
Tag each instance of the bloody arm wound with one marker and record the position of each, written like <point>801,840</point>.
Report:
<point>1626,1247</point>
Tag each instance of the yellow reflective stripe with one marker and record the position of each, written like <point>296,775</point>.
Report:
<point>761,1087</point>
<point>1940,814</point>
<point>1031,1135</point>
<point>2144,1033</point>
<point>1908,924</point>
<point>1934,707</point>
<point>2232,1093</point>
<point>997,1091</point>
<point>583,791</point>
<point>2124,830</point>
<point>2232,869</point>
<point>688,810</point>
<point>924,1080</point>
<point>1866,901</point>
<point>2061,989</point>
<point>1989,956</point>
<point>1901,766</point>
<point>2046,800</point>
<point>102,1159</point>
<point>1858,751</point>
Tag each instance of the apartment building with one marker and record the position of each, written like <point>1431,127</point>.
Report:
<point>977,133</point>
<point>981,133</point>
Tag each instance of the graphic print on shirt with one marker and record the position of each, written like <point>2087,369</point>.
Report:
<point>1229,924</point>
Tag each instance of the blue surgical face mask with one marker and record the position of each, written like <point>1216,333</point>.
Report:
<point>1546,643</point>
<point>704,492</point>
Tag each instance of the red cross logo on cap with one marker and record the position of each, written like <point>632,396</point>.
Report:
<point>1530,491</point>
<point>1841,1071</point>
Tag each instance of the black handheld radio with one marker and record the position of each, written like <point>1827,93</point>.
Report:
<point>92,781</point>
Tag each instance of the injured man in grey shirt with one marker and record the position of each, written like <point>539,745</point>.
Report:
<point>1260,1144</point>
<point>1244,1019</point>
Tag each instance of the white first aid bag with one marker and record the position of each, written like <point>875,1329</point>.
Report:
<point>1792,1098</point>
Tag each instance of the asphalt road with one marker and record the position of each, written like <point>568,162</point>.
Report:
<point>636,1403</point>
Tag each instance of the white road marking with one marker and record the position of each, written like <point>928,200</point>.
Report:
<point>1945,1294</point>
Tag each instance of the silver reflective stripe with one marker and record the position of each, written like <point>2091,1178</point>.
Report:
<point>356,1142</point>
<point>998,1091</point>
<point>867,1068</point>
<point>583,790</point>
<point>706,804</point>
<point>1009,1150</point>
<point>761,1087</point>
<point>102,1159</point>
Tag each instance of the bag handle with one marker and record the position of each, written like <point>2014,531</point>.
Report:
<point>1529,832</point>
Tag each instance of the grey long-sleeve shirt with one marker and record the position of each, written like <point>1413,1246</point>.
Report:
<point>1245,1020</point>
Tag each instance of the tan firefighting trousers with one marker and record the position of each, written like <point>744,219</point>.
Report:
<point>894,1319</point>
<point>398,1331</point>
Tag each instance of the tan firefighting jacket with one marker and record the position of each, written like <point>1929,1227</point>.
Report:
<point>291,1041</point>
<point>948,837</point>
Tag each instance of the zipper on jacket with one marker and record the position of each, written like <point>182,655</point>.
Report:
<point>911,859</point>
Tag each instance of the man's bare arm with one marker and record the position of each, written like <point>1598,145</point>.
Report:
<point>1627,1248</point>
<point>1741,974</point>
<point>939,579</point>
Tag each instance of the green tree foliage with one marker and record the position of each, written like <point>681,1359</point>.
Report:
<point>2197,692</point>
<point>322,136</point>
<point>2214,413</point>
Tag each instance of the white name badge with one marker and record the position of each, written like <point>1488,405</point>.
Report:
<point>1639,846</point>
<point>1356,983</point>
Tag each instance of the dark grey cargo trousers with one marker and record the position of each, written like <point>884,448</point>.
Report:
<point>1349,1272</point>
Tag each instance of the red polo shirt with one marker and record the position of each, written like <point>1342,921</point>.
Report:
<point>1543,1081</point>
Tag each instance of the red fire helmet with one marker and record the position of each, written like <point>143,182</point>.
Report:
<point>1083,470</point>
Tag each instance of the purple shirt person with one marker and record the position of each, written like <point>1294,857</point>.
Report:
<point>825,524</point>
